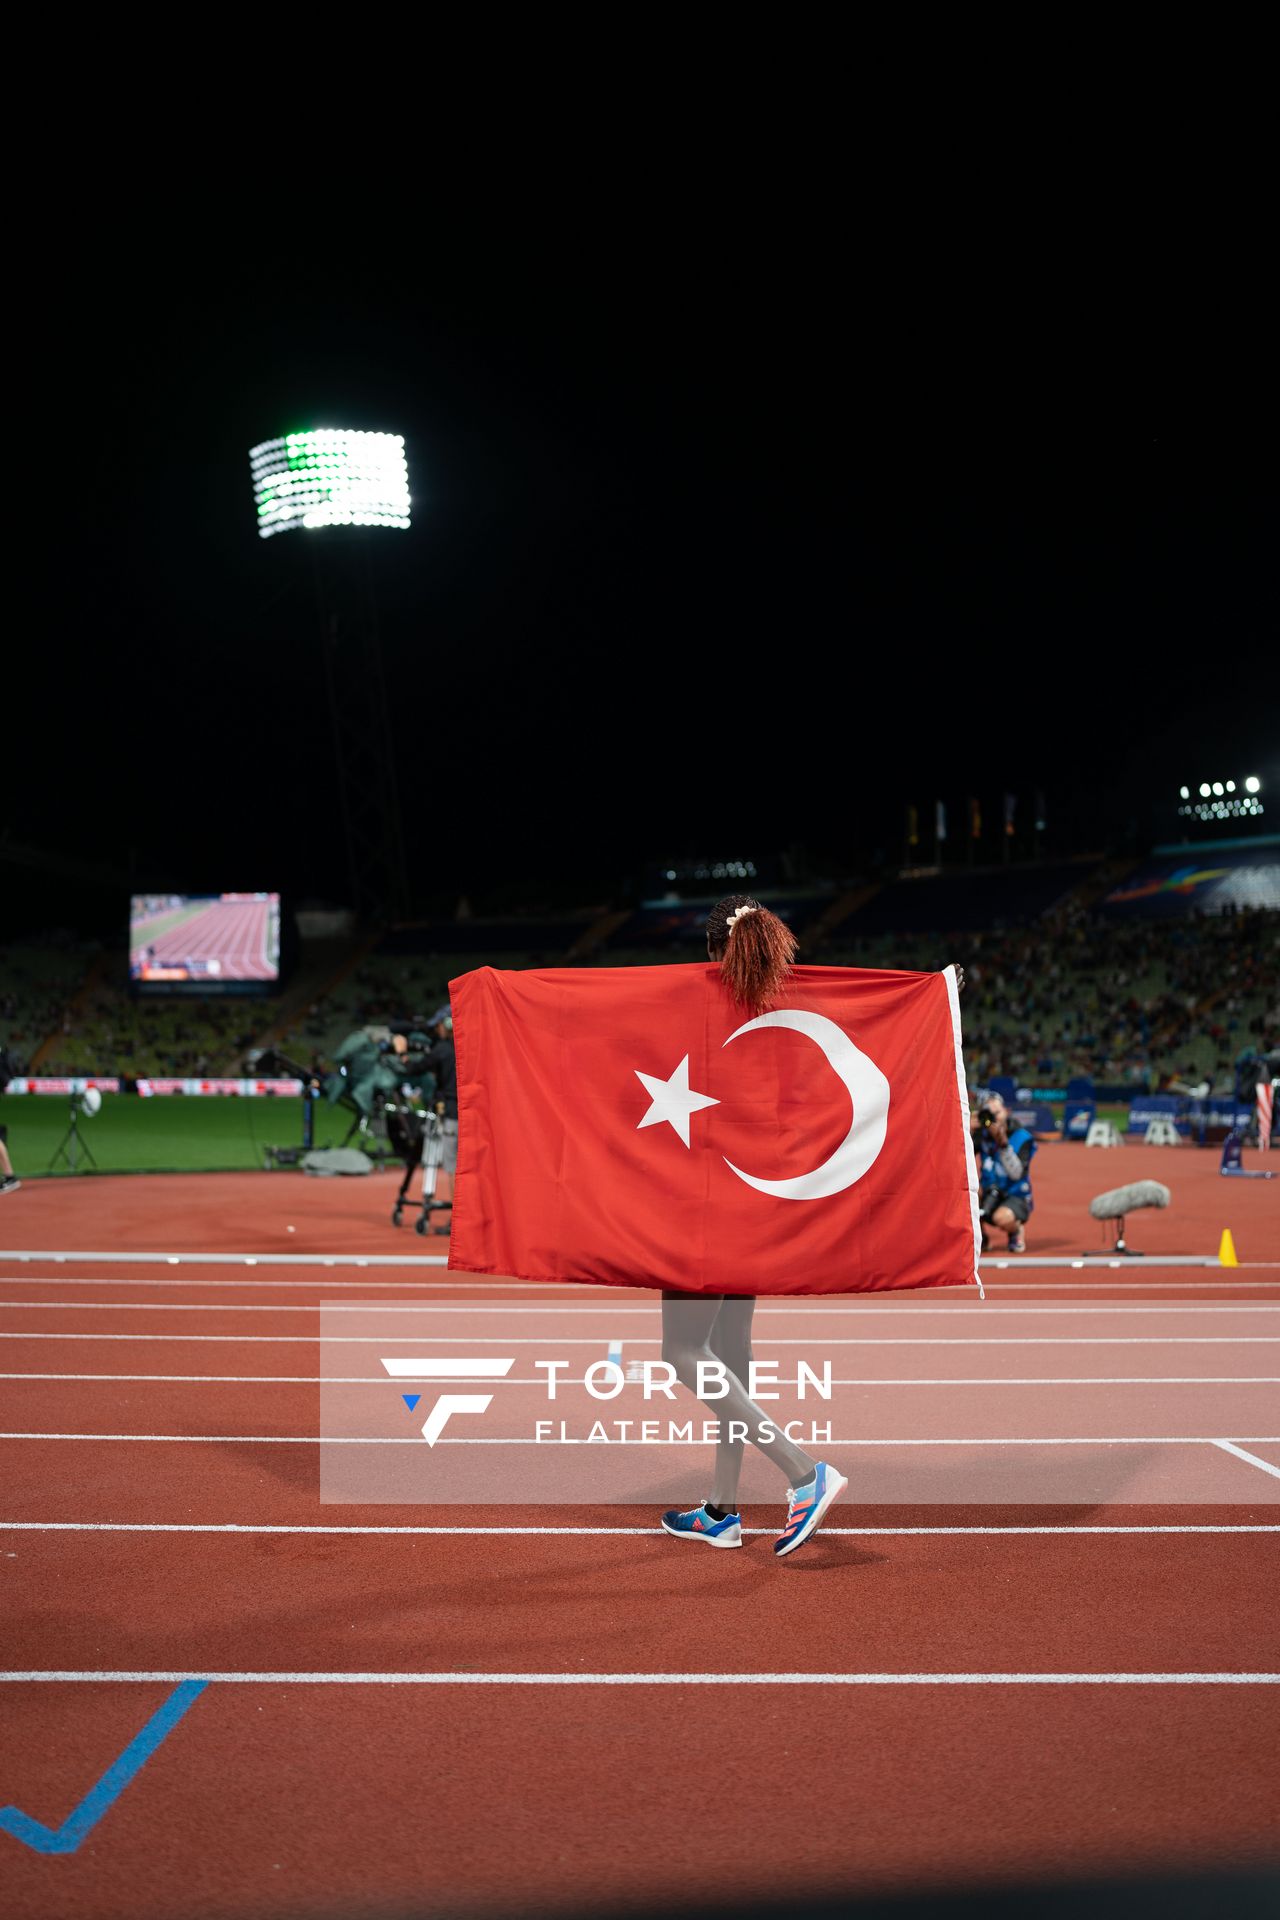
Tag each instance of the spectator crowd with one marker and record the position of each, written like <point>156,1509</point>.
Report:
<point>1148,1003</point>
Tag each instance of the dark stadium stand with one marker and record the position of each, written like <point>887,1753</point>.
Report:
<point>969,902</point>
<point>39,985</point>
<point>1072,971</point>
<point>672,923</point>
<point>551,937</point>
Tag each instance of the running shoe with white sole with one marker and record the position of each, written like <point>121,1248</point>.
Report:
<point>10,1184</point>
<point>697,1524</point>
<point>807,1505</point>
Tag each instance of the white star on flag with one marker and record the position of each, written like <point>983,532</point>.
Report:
<point>672,1100</point>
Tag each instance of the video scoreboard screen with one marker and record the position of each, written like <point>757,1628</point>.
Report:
<point>204,943</point>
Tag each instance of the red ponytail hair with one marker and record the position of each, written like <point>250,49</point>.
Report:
<point>754,947</point>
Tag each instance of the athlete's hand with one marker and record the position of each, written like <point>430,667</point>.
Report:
<point>959,973</point>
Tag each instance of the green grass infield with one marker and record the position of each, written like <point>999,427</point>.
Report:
<point>173,1133</point>
<point>170,1133</point>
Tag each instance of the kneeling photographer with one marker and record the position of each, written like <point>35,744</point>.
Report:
<point>1005,1153</point>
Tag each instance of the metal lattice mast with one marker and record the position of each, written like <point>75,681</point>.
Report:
<point>348,481</point>
<point>364,747</point>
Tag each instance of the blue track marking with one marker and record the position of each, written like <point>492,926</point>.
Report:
<point>84,1818</point>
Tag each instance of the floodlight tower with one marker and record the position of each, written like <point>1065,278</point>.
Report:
<point>317,482</point>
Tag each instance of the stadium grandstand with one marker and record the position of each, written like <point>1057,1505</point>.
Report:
<point>1140,975</point>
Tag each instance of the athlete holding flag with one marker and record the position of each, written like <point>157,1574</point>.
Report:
<point>591,1150</point>
<point>755,950</point>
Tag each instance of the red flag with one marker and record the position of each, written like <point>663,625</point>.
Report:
<point>632,1126</point>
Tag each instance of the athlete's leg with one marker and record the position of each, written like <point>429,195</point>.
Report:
<point>730,1341</point>
<point>687,1322</point>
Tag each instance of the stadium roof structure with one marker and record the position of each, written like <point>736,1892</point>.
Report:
<point>1204,876</point>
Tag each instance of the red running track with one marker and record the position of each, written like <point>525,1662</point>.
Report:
<point>462,1794</point>
<point>251,1212</point>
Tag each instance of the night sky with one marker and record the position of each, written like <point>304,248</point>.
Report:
<point>705,558</point>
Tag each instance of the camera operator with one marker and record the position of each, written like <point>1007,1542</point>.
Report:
<point>1005,1153</point>
<point>442,1061</point>
<point>372,1065</point>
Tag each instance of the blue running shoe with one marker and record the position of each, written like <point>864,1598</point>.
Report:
<point>807,1505</point>
<point>697,1524</point>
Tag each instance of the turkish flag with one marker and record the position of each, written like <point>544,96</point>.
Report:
<point>633,1126</point>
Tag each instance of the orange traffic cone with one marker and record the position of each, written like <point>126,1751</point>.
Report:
<point>1227,1250</point>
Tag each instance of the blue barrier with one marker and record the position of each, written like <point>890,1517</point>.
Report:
<point>1160,1106</point>
<point>1194,1119</point>
<point>1207,1116</point>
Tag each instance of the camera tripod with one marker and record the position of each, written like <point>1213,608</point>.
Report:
<point>71,1146</point>
<point>418,1137</point>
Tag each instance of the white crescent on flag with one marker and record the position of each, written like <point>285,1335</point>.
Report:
<point>868,1090</point>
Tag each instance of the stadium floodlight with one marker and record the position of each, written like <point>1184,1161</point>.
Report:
<point>1205,789</point>
<point>330,478</point>
<point>1253,784</point>
<point>1217,788</point>
<point>1231,786</point>
<point>1185,792</point>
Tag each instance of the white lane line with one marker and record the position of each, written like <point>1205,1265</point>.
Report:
<point>561,1291</point>
<point>463,1283</point>
<point>522,1440</point>
<point>450,1367</point>
<point>1229,1446</point>
<point>439,1375</point>
<point>38,1675</point>
<point>518,1310</point>
<point>112,1256</point>
<point>1094,1262</point>
<point>1128,1286</point>
<point>38,1255</point>
<point>642,1340</point>
<point>460,1285</point>
<point>888,1533</point>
